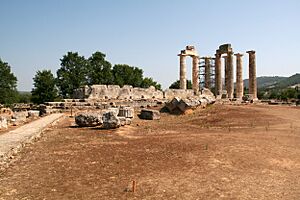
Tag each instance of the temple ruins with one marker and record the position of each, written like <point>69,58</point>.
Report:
<point>224,51</point>
<point>189,51</point>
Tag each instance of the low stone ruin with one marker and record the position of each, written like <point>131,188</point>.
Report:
<point>100,93</point>
<point>149,114</point>
<point>101,98</point>
<point>17,117</point>
<point>104,92</point>
<point>3,122</point>
<point>108,119</point>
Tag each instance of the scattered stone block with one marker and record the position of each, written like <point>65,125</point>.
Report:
<point>89,119</point>
<point>111,120</point>
<point>20,117</point>
<point>206,92</point>
<point>115,110</point>
<point>128,121</point>
<point>172,105</point>
<point>33,113</point>
<point>6,111</point>
<point>184,105</point>
<point>127,112</point>
<point>3,122</point>
<point>149,114</point>
<point>122,121</point>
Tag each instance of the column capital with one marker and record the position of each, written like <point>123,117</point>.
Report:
<point>182,55</point>
<point>250,52</point>
<point>238,54</point>
<point>206,57</point>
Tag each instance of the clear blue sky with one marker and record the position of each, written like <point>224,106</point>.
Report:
<point>149,34</point>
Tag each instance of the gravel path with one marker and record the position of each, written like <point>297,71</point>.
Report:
<point>12,141</point>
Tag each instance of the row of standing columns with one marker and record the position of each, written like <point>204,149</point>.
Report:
<point>195,73</point>
<point>229,75</point>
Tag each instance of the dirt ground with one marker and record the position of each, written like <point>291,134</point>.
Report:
<point>222,152</point>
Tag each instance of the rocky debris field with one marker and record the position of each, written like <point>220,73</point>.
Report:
<point>221,152</point>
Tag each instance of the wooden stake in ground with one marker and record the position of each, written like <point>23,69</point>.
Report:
<point>133,186</point>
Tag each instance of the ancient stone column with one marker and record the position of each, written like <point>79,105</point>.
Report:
<point>230,82</point>
<point>182,74</point>
<point>207,72</point>
<point>239,76</point>
<point>196,74</point>
<point>252,75</point>
<point>226,74</point>
<point>218,76</point>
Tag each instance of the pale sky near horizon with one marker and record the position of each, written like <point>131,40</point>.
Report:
<point>148,33</point>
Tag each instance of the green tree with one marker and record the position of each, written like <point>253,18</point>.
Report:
<point>127,75</point>
<point>24,97</point>
<point>99,70</point>
<point>72,74</point>
<point>147,82</point>
<point>176,84</point>
<point>44,87</point>
<point>273,95</point>
<point>291,93</point>
<point>8,85</point>
<point>260,94</point>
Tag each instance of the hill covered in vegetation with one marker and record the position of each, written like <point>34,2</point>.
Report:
<point>277,87</point>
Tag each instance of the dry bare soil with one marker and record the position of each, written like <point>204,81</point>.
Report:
<point>222,152</point>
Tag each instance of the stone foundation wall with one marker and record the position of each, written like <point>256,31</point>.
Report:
<point>181,93</point>
<point>106,92</point>
<point>127,92</point>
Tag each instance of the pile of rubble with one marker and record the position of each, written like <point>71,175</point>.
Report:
<point>182,106</point>
<point>14,118</point>
<point>110,118</point>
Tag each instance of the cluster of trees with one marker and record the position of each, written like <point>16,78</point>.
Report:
<point>8,84</point>
<point>75,71</point>
<point>280,94</point>
<point>176,85</point>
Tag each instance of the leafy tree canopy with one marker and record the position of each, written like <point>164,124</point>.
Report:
<point>147,82</point>
<point>44,87</point>
<point>77,71</point>
<point>8,84</point>
<point>24,97</point>
<point>127,75</point>
<point>72,74</point>
<point>176,84</point>
<point>99,70</point>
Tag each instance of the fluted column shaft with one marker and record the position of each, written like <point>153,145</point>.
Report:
<point>218,76</point>
<point>207,72</point>
<point>195,75</point>
<point>182,73</point>
<point>226,74</point>
<point>252,75</point>
<point>230,83</point>
<point>239,76</point>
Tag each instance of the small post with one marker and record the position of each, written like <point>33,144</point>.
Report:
<point>133,186</point>
<point>71,110</point>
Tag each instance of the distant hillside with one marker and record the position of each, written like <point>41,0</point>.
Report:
<point>290,81</point>
<point>266,81</point>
